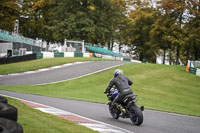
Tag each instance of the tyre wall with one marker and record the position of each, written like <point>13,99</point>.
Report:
<point>8,118</point>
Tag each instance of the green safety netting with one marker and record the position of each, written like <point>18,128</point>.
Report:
<point>101,51</point>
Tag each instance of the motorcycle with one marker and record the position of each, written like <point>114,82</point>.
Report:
<point>130,108</point>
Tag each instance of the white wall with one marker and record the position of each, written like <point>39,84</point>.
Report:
<point>48,54</point>
<point>5,46</point>
<point>68,54</point>
<point>86,55</point>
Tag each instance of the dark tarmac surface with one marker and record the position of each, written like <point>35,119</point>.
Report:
<point>60,74</point>
<point>154,121</point>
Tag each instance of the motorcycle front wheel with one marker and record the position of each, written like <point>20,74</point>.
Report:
<point>136,115</point>
<point>114,112</point>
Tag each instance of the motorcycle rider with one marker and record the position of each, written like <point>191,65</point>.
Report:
<point>122,84</point>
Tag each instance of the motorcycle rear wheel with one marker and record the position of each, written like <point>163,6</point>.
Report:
<point>136,115</point>
<point>113,112</point>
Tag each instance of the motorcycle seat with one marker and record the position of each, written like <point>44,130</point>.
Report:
<point>130,96</point>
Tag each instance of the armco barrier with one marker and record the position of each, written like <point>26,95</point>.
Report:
<point>13,59</point>
<point>56,54</point>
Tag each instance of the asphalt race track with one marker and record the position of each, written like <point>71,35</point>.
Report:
<point>56,75</point>
<point>154,121</point>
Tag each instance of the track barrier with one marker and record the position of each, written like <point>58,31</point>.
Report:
<point>8,118</point>
<point>192,67</point>
<point>32,55</point>
<point>13,59</point>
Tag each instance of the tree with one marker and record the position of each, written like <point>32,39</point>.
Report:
<point>9,13</point>
<point>160,34</point>
<point>141,20</point>
<point>34,15</point>
<point>193,30</point>
<point>89,20</point>
<point>177,9</point>
<point>71,20</point>
<point>44,9</point>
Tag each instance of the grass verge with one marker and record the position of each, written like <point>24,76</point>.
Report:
<point>40,63</point>
<point>34,121</point>
<point>161,87</point>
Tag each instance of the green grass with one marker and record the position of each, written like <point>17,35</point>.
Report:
<point>161,87</point>
<point>34,121</point>
<point>40,63</point>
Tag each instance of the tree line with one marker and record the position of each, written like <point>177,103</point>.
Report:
<point>170,28</point>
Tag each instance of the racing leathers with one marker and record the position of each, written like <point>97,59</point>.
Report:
<point>122,84</point>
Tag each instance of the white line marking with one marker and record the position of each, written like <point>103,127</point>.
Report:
<point>78,62</point>
<point>69,64</point>
<point>14,74</point>
<point>55,67</point>
<point>79,76</point>
<point>44,69</point>
<point>101,128</point>
<point>54,111</point>
<point>29,72</point>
